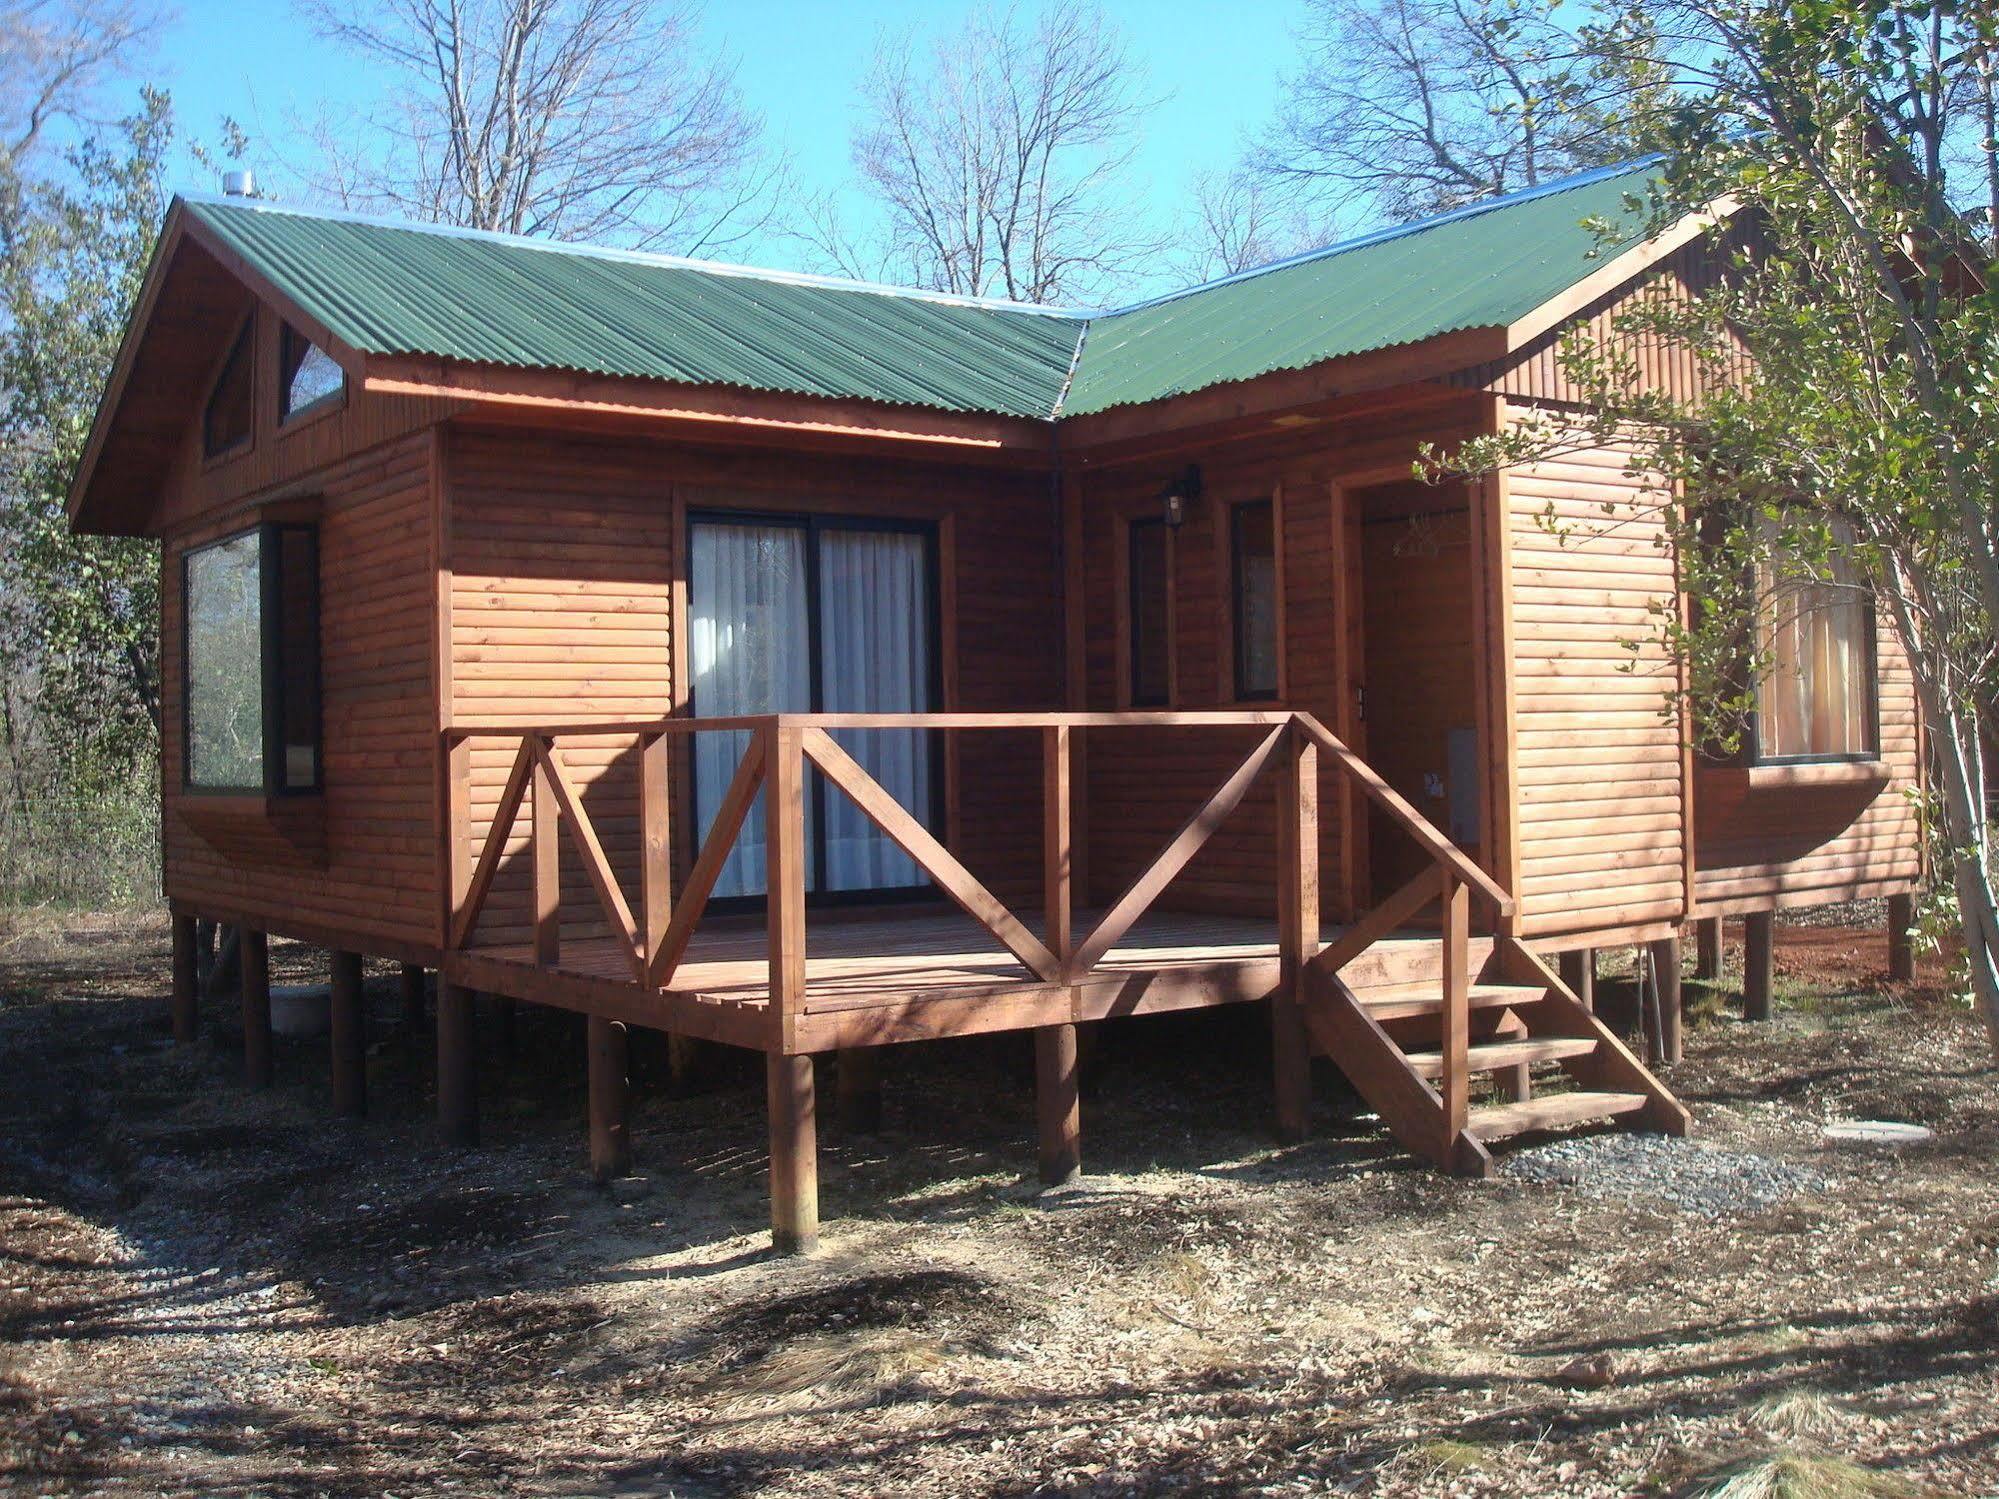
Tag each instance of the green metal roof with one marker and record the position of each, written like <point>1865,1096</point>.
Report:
<point>1483,266</point>
<point>399,289</point>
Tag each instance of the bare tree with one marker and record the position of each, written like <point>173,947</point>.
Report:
<point>1237,222</point>
<point>1401,108</point>
<point>584,119</point>
<point>56,58</point>
<point>1000,158</point>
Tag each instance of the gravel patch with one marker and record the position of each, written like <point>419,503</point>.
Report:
<point>1694,1178</point>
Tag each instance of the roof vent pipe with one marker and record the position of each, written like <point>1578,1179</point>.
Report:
<point>241,184</point>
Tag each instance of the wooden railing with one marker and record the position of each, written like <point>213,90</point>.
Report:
<point>657,935</point>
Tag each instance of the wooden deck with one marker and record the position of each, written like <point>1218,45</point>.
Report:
<point>878,976</point>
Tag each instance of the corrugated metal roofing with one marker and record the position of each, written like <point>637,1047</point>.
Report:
<point>495,299</point>
<point>1482,266</point>
<point>395,289</point>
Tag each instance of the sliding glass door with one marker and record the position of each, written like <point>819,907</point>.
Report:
<point>792,615</point>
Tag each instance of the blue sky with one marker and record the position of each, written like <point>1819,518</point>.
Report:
<point>1214,66</point>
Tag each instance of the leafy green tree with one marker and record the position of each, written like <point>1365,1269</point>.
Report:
<point>79,616</point>
<point>1858,452</point>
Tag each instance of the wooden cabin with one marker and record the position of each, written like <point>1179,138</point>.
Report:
<point>813,667</point>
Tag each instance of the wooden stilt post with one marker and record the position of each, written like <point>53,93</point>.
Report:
<point>1666,988</point>
<point>457,1087</point>
<point>1758,938</point>
<point>1578,970</point>
<point>1707,948</point>
<point>610,1099</point>
<point>1901,950</point>
<point>1297,933</point>
<point>187,986</point>
<point>1058,1103</point>
<point>794,1143</point>
<point>350,1038</point>
<point>1057,1072</point>
<point>413,1005</point>
<point>858,1076</point>
<point>256,1009</point>
<point>680,1054</point>
<point>794,1154</point>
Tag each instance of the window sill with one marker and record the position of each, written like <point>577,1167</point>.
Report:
<point>1808,773</point>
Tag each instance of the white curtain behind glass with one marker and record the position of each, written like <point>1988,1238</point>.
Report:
<point>749,640</point>
<point>874,657</point>
<point>1814,702</point>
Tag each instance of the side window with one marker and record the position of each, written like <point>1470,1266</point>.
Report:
<point>307,374</point>
<point>1150,643</point>
<point>250,609</point>
<point>1253,564</point>
<point>226,420</point>
<point>1816,701</point>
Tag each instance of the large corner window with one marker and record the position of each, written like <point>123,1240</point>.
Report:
<point>1253,563</point>
<point>1150,640</point>
<point>308,377</point>
<point>226,420</point>
<point>1816,700</point>
<point>251,610</point>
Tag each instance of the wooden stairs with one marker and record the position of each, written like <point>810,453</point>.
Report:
<point>1381,1014</point>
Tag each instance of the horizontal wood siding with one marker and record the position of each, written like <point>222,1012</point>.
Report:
<point>1806,844</point>
<point>1536,371</point>
<point>1144,783</point>
<point>377,887</point>
<point>1602,814</point>
<point>564,561</point>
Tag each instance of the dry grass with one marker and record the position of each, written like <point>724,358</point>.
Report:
<point>1805,1475</point>
<point>1800,1415</point>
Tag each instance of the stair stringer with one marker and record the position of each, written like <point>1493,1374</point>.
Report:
<point>1612,1067</point>
<point>1341,1028</point>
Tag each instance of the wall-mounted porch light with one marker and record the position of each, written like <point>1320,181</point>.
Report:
<point>1179,495</point>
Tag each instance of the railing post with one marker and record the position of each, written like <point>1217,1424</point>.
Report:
<point>784,874</point>
<point>545,857</point>
<point>794,1149</point>
<point>655,845</point>
<point>1454,1082</point>
<point>1297,931</point>
<point>1057,1090</point>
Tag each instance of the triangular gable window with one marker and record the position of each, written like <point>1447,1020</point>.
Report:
<point>225,424</point>
<point>307,374</point>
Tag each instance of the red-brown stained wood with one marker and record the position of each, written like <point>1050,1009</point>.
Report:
<point>186,998</point>
<point>610,1104</point>
<point>457,1084</point>
<point>349,1038</point>
<point>1058,1103</point>
<point>256,981</point>
<point>794,1154</point>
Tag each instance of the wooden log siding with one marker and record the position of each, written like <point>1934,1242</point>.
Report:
<point>1602,816</point>
<point>563,557</point>
<point>378,881</point>
<point>1756,847</point>
<point>1143,784</point>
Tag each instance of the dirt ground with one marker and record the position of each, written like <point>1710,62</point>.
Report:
<point>203,1291</point>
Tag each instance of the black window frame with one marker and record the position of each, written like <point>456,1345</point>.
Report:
<point>243,346</point>
<point>288,339</point>
<point>1238,636</point>
<point>274,680</point>
<point>815,524</point>
<point>1136,527</point>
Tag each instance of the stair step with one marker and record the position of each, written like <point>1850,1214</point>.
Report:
<point>1425,999</point>
<point>1549,1112</point>
<point>1491,1056</point>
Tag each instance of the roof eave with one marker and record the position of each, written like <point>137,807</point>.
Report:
<point>707,408</point>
